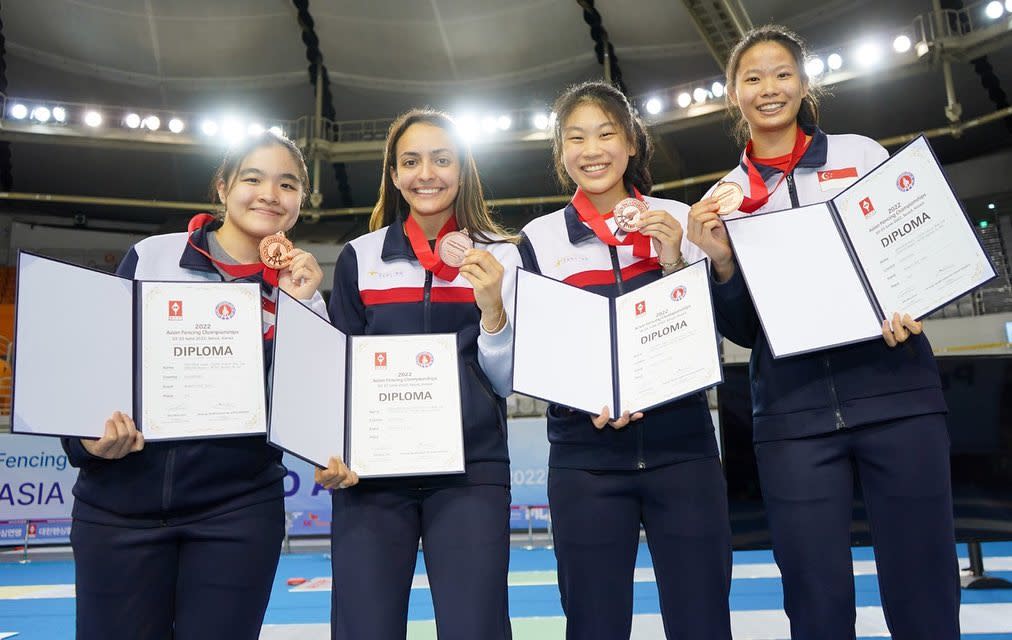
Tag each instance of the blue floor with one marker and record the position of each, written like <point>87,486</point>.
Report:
<point>53,618</point>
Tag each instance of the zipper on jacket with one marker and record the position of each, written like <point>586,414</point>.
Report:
<point>427,303</point>
<point>840,424</point>
<point>170,462</point>
<point>619,285</point>
<point>620,289</point>
<point>641,464</point>
<point>792,190</point>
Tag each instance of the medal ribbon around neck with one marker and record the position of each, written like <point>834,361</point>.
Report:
<point>420,245</point>
<point>596,221</point>
<point>758,192</point>
<point>270,275</point>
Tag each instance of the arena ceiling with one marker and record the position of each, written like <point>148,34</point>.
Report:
<point>384,56</point>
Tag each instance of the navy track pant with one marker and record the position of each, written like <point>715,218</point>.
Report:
<point>208,579</point>
<point>465,541</point>
<point>808,487</point>
<point>596,519</point>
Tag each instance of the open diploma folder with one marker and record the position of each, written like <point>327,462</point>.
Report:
<point>387,405</point>
<point>642,349</point>
<point>185,359</point>
<point>826,275</point>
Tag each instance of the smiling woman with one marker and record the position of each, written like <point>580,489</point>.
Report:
<point>400,279</point>
<point>153,522</point>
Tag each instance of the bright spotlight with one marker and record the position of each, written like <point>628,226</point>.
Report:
<point>278,131</point>
<point>684,100</point>
<point>1008,6</point>
<point>469,127</point>
<point>990,205</point>
<point>654,106</point>
<point>152,123</point>
<point>209,127</point>
<point>540,121</point>
<point>834,61</point>
<point>994,9</point>
<point>700,94</point>
<point>504,123</point>
<point>254,129</point>
<point>814,67</point>
<point>19,111</point>
<point>41,114</point>
<point>132,120</point>
<point>176,125</point>
<point>901,44</point>
<point>717,90</point>
<point>93,118</point>
<point>59,114</point>
<point>488,124</point>
<point>232,130</point>
<point>868,54</point>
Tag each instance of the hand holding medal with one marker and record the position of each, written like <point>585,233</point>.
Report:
<point>300,275</point>
<point>706,229</point>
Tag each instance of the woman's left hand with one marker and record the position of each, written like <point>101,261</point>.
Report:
<point>302,277</point>
<point>901,329</point>
<point>484,272</point>
<point>666,233</point>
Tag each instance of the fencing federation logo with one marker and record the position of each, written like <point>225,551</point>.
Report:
<point>905,182</point>
<point>224,310</point>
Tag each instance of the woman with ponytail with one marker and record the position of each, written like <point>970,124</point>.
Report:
<point>608,476</point>
<point>871,412</point>
<point>399,280</point>
<point>181,539</point>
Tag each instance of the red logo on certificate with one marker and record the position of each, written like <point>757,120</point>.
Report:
<point>905,182</point>
<point>866,206</point>
<point>379,360</point>
<point>224,310</point>
<point>641,307</point>
<point>678,293</point>
<point>175,309</point>
<point>424,359</point>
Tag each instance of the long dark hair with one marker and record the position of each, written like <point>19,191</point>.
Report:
<point>614,103</point>
<point>808,115</point>
<point>470,208</point>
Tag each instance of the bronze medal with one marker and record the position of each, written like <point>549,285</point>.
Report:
<point>453,246</point>
<point>729,197</point>
<point>276,251</point>
<point>627,214</point>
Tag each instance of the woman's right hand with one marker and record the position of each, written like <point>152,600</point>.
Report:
<point>337,475</point>
<point>121,437</point>
<point>619,423</point>
<point>706,231</point>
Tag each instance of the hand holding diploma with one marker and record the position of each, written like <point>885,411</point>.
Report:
<point>901,329</point>
<point>337,475</point>
<point>120,438</point>
<point>302,277</point>
<point>620,423</point>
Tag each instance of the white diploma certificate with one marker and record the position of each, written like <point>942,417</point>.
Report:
<point>389,405</point>
<point>643,349</point>
<point>202,371</point>
<point>826,275</point>
<point>185,359</point>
